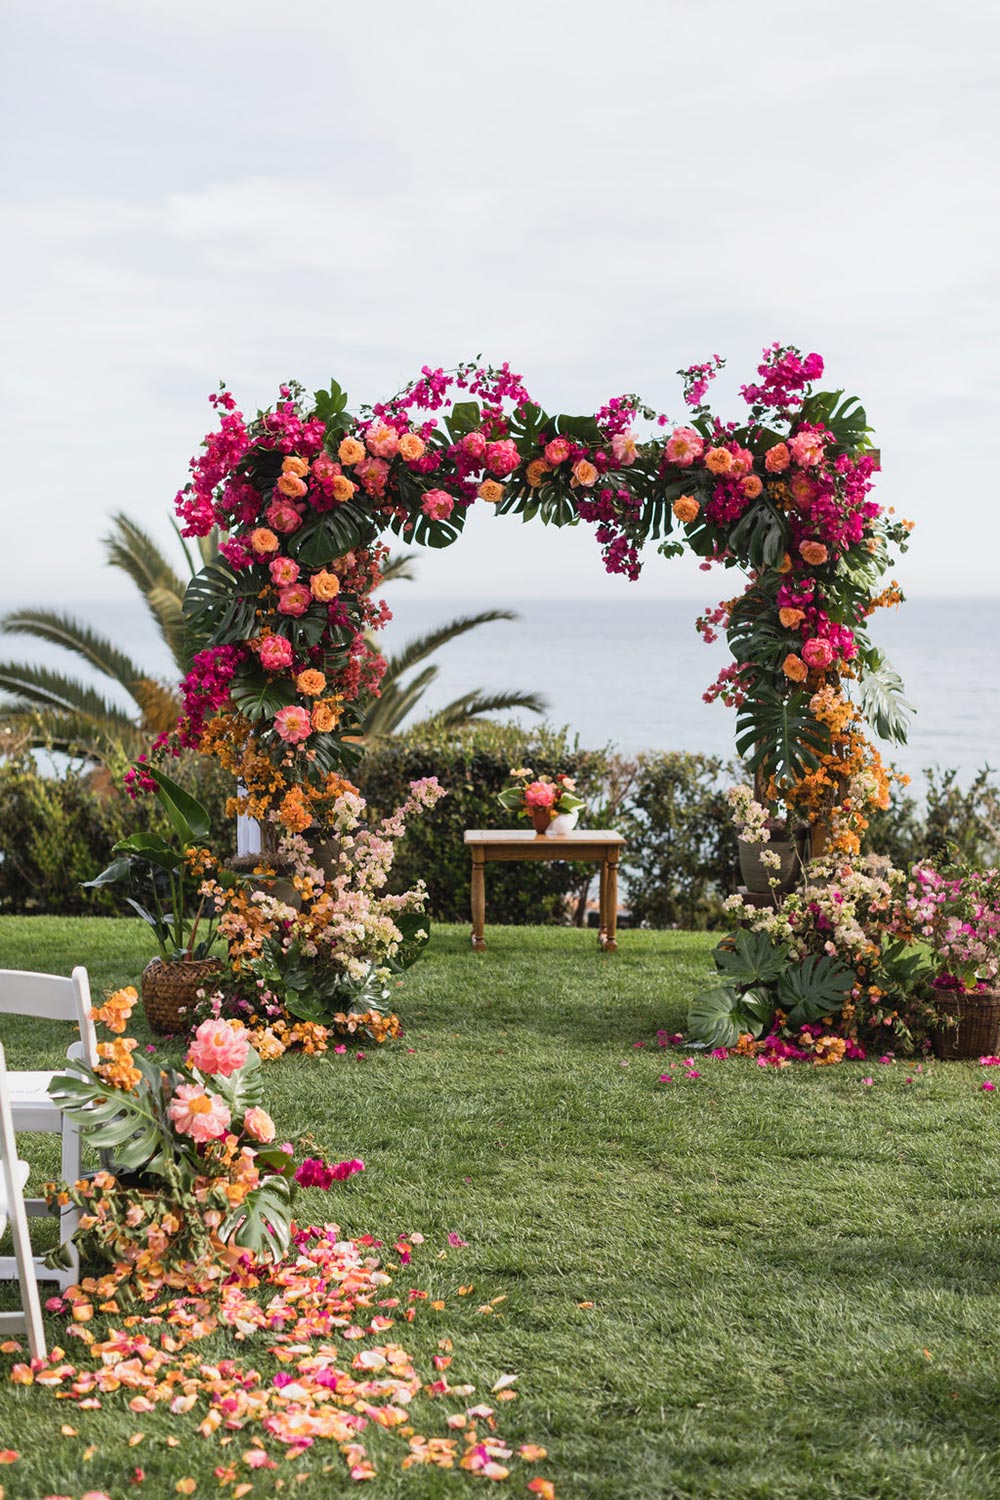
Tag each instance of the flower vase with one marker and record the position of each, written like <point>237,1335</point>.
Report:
<point>541,817</point>
<point>563,823</point>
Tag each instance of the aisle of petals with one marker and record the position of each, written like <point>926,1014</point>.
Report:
<point>343,1378</point>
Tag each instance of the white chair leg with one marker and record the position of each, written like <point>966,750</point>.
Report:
<point>69,1217</point>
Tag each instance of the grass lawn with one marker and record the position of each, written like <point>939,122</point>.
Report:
<point>791,1278</point>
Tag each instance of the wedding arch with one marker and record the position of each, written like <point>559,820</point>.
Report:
<point>306,491</point>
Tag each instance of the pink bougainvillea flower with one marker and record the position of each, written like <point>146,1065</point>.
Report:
<point>197,1113</point>
<point>293,724</point>
<point>218,1047</point>
<point>456,1241</point>
<point>867,1082</point>
<point>887,1059</point>
<point>988,1086</point>
<point>665,1078</point>
<point>344,1169</point>
<point>719,1053</point>
<point>437,505</point>
<point>989,1061</point>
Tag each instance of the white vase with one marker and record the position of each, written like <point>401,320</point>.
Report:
<point>562,823</point>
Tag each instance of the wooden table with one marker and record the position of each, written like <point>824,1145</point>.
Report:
<point>588,844</point>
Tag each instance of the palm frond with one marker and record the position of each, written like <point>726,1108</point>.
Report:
<point>425,645</point>
<point>478,704</point>
<point>385,713</point>
<point>398,567</point>
<point>38,687</point>
<point>72,734</point>
<point>135,552</point>
<point>73,635</point>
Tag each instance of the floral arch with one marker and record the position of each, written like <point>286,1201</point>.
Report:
<point>307,490</point>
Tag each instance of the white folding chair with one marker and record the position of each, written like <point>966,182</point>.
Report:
<point>49,997</point>
<point>13,1176</point>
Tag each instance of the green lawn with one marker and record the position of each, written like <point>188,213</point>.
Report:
<point>793,1275</point>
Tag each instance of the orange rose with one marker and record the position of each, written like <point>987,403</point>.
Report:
<point>791,617</point>
<point>295,465</point>
<point>751,486</point>
<point>342,488</point>
<point>491,491</point>
<point>686,508</point>
<point>325,716</point>
<point>411,447</point>
<point>324,586</point>
<point>777,458</point>
<point>785,565</point>
<point>536,472</point>
<point>718,460</point>
<point>584,473</point>
<point>795,668</point>
<point>814,553</point>
<point>310,682</point>
<point>263,541</point>
<point>291,486</point>
<point>350,451</point>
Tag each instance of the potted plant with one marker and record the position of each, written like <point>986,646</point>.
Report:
<point>162,879</point>
<point>550,802</point>
<point>770,861</point>
<point>197,1178</point>
<point>957,911</point>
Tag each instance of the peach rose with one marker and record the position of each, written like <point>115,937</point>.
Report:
<point>350,451</point>
<point>217,1047</point>
<point>283,570</point>
<point>293,724</point>
<point>325,716</point>
<point>310,682</point>
<point>195,1112</point>
<point>791,617</point>
<point>342,488</point>
<point>752,486</point>
<point>777,459</point>
<point>686,508</point>
<point>383,441</point>
<point>536,471</point>
<point>258,1125</point>
<point>411,446</point>
<point>263,541</point>
<point>719,460</point>
<point>438,505</point>
<point>814,553</point>
<point>324,586</point>
<point>295,465</point>
<point>557,451</point>
<point>794,668</point>
<point>584,473</point>
<point>291,486</point>
<point>807,449</point>
<point>491,491</point>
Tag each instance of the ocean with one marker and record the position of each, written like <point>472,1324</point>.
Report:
<point>632,672</point>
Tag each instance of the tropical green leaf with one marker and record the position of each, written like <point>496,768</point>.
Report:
<point>778,736</point>
<point>815,987</point>
<point>719,1017</point>
<point>259,696</point>
<point>331,534</point>
<point>243,1089</point>
<point>750,958</point>
<point>262,1223</point>
<point>188,818</point>
<point>882,699</point>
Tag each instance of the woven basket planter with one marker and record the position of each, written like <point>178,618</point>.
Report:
<point>170,990</point>
<point>975,1028</point>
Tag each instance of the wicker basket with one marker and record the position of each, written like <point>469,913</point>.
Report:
<point>170,990</point>
<point>975,1028</point>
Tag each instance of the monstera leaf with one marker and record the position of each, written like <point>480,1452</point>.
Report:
<point>750,958</point>
<point>131,1124</point>
<point>262,1223</point>
<point>243,1089</point>
<point>332,534</point>
<point>815,987</point>
<point>220,604</point>
<point>882,700</point>
<point>780,736</point>
<point>719,1017</point>
<point>259,695</point>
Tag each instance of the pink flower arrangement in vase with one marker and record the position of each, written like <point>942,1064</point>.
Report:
<point>542,799</point>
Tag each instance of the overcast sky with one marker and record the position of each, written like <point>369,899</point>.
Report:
<point>598,193</point>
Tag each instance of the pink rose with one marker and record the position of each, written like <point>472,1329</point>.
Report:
<point>438,505</point>
<point>383,441</point>
<point>474,445</point>
<point>294,600</point>
<point>324,469</point>
<point>217,1047</point>
<point>624,448</point>
<point>557,451</point>
<point>540,794</point>
<point>683,446</point>
<point>275,653</point>
<point>502,458</point>
<point>817,653</point>
<point>284,570</point>
<point>373,473</point>
<point>807,449</point>
<point>195,1112</point>
<point>293,724</point>
<point>258,1125</point>
<point>282,516</point>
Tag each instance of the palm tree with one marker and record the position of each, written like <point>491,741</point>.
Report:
<point>50,708</point>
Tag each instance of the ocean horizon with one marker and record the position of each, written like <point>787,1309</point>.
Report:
<point>631,672</point>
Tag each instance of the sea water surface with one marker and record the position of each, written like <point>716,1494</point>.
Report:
<point>631,672</point>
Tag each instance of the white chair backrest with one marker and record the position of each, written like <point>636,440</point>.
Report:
<point>8,1149</point>
<point>51,997</point>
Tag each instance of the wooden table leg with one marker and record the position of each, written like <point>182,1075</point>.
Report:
<point>602,904</point>
<point>478,901</point>
<point>609,901</point>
